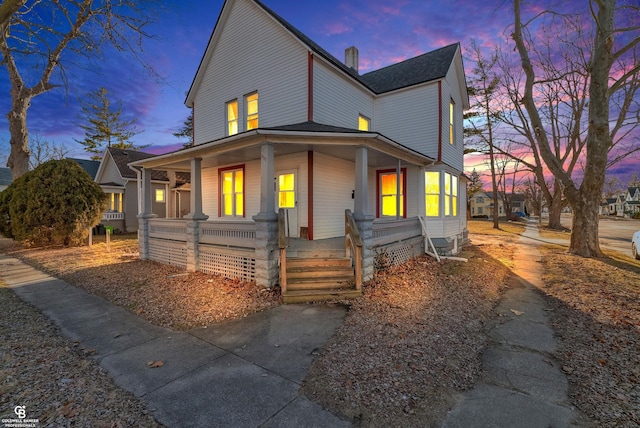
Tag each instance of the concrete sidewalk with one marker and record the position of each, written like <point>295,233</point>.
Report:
<point>522,384</point>
<point>242,373</point>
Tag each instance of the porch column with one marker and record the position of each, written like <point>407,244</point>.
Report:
<point>398,189</point>
<point>266,220</point>
<point>361,200</point>
<point>145,215</point>
<point>361,214</point>
<point>196,191</point>
<point>196,215</point>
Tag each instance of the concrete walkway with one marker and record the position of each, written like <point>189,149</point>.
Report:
<point>522,384</point>
<point>242,373</point>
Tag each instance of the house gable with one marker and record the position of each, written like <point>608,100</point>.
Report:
<point>249,51</point>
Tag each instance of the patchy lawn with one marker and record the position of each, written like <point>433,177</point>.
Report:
<point>412,342</point>
<point>164,295</point>
<point>485,227</point>
<point>596,316</point>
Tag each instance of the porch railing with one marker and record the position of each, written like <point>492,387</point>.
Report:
<point>175,230</point>
<point>389,231</point>
<point>228,233</point>
<point>282,245</point>
<point>353,244</point>
<point>112,216</point>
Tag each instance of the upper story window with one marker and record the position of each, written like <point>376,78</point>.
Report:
<point>232,191</point>
<point>480,200</point>
<point>364,123</point>
<point>432,193</point>
<point>388,198</point>
<point>232,117</point>
<point>251,103</point>
<point>452,137</point>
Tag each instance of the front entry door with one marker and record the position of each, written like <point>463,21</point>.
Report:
<point>287,198</point>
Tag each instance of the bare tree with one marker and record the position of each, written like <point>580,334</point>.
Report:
<point>42,39</point>
<point>482,115</point>
<point>43,151</point>
<point>611,76</point>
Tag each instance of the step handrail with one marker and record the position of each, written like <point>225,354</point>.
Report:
<point>282,245</point>
<point>353,244</point>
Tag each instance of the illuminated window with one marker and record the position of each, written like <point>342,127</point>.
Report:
<point>363,123</point>
<point>232,117</point>
<point>286,191</point>
<point>451,123</point>
<point>251,102</point>
<point>388,193</point>
<point>432,193</point>
<point>451,195</point>
<point>232,192</point>
<point>160,195</point>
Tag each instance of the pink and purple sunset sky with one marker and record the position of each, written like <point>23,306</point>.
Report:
<point>384,31</point>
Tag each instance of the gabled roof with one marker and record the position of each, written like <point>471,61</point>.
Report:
<point>424,68</point>
<point>421,69</point>
<point>5,177</point>
<point>91,166</point>
<point>122,157</point>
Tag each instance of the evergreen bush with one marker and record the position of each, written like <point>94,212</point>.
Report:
<point>56,203</point>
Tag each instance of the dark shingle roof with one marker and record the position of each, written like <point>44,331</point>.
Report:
<point>313,127</point>
<point>91,166</point>
<point>5,177</point>
<point>122,157</point>
<point>424,68</point>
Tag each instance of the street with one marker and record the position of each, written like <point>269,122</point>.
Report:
<point>614,232</point>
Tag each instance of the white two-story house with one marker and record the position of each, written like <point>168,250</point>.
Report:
<point>301,162</point>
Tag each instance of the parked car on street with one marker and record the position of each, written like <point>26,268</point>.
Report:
<point>635,245</point>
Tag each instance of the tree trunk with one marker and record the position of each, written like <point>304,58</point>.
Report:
<point>584,231</point>
<point>555,208</point>
<point>18,160</point>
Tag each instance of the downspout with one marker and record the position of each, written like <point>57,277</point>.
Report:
<point>439,120</point>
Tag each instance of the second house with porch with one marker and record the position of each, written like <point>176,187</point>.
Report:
<point>360,166</point>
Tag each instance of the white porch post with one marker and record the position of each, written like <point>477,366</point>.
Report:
<point>361,214</point>
<point>145,215</point>
<point>266,220</point>
<point>195,216</point>
<point>361,199</point>
<point>398,189</point>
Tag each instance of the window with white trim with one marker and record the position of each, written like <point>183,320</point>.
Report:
<point>450,195</point>
<point>364,123</point>
<point>452,136</point>
<point>232,191</point>
<point>232,117</point>
<point>432,193</point>
<point>160,196</point>
<point>251,109</point>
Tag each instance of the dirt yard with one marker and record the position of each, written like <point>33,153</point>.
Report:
<point>407,347</point>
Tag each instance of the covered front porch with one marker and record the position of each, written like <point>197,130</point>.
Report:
<point>240,234</point>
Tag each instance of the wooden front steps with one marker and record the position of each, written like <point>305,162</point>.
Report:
<point>314,279</point>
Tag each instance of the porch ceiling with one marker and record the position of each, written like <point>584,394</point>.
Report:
<point>246,147</point>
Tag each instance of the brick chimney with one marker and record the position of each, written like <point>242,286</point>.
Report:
<point>351,58</point>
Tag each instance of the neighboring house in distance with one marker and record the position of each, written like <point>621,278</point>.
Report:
<point>481,205</point>
<point>608,206</point>
<point>170,190</point>
<point>91,166</point>
<point>631,202</point>
<point>5,178</point>
<point>282,126</point>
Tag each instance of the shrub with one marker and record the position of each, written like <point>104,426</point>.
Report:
<point>56,203</point>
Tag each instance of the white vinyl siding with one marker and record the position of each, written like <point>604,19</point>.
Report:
<point>336,100</point>
<point>410,117</point>
<point>297,162</point>
<point>452,154</point>
<point>210,189</point>
<point>268,59</point>
<point>334,180</point>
